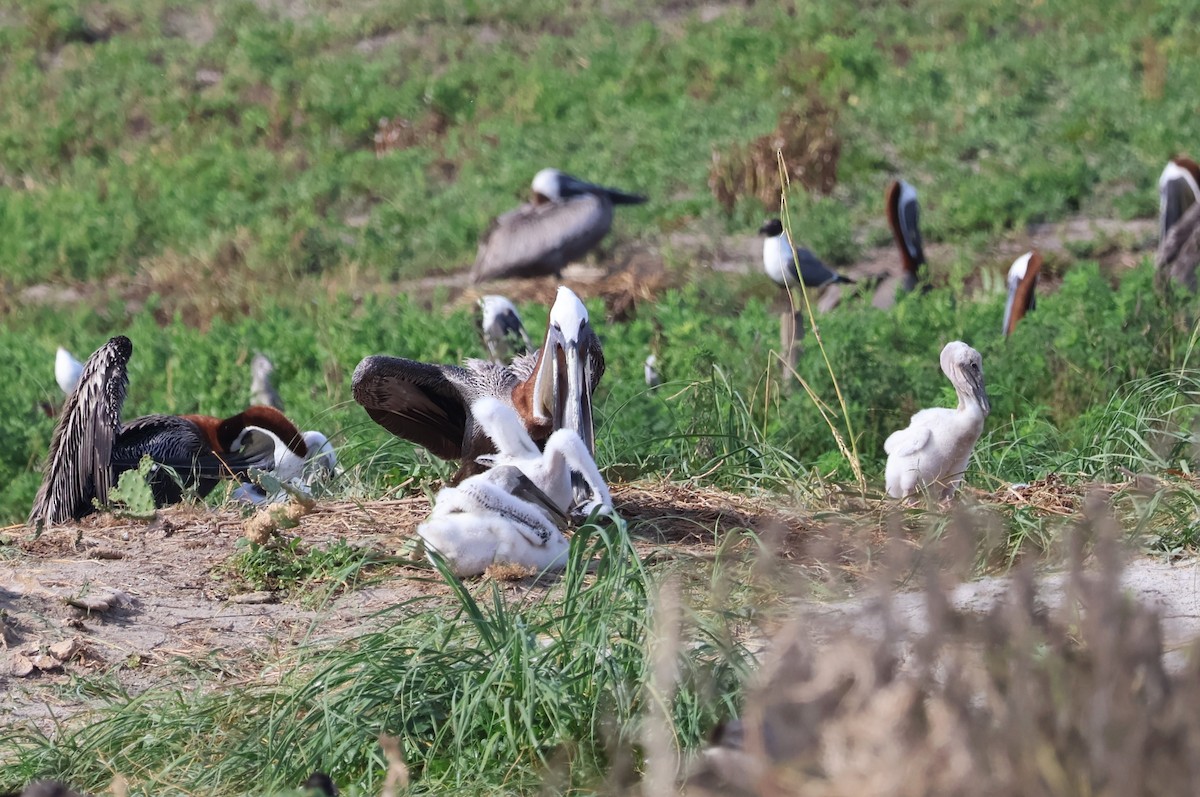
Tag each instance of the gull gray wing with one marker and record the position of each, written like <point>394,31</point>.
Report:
<point>813,272</point>
<point>78,467</point>
<point>542,239</point>
<point>417,401</point>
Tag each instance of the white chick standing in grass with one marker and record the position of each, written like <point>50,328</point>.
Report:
<point>933,452</point>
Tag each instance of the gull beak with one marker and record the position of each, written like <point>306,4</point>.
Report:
<point>568,370</point>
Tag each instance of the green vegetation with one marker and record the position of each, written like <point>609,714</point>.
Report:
<point>485,699</point>
<point>218,179</point>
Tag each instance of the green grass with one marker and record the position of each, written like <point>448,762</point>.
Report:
<point>177,130</point>
<point>206,177</point>
<point>486,697</point>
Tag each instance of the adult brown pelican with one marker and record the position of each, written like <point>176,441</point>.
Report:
<point>933,452</point>
<point>503,333</point>
<point>431,404</point>
<point>903,213</point>
<point>1022,289</point>
<point>565,220</point>
<point>1179,221</point>
<point>91,447</point>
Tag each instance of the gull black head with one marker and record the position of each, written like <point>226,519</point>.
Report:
<point>771,227</point>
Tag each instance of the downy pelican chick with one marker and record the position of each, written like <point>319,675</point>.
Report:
<point>431,404</point>
<point>565,221</point>
<point>933,452</point>
<point>653,377</point>
<point>513,513</point>
<point>91,446</point>
<point>503,333</point>
<point>1022,289</point>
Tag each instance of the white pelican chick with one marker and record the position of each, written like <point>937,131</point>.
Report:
<point>513,513</point>
<point>933,452</point>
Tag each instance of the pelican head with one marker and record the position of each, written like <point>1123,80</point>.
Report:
<point>963,366</point>
<point>1178,190</point>
<point>548,185</point>
<point>503,332</point>
<point>1022,284</point>
<point>569,366</point>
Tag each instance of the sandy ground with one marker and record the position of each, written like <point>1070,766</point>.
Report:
<point>127,599</point>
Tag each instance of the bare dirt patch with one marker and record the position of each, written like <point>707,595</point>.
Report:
<point>126,600</point>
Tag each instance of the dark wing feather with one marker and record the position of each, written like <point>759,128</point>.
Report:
<point>542,239</point>
<point>78,469</point>
<point>418,401</point>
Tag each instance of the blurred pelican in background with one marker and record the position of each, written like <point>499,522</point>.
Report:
<point>1022,289</point>
<point>503,333</point>
<point>566,219</point>
<point>1178,252</point>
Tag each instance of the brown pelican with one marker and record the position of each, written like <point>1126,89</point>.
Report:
<point>91,447</point>
<point>431,404</point>
<point>1179,221</point>
<point>565,220</point>
<point>788,266</point>
<point>503,333</point>
<point>262,392</point>
<point>933,452</point>
<point>66,370</point>
<point>903,214</point>
<point>514,512</point>
<point>1022,288</point>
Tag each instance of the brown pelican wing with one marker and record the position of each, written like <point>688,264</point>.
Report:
<point>78,468</point>
<point>535,240</point>
<point>427,404</point>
